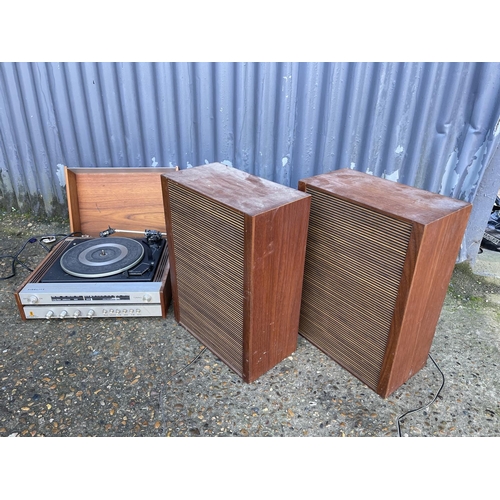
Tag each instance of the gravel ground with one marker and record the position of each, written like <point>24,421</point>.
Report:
<point>133,377</point>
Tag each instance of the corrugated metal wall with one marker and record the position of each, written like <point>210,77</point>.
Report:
<point>430,125</point>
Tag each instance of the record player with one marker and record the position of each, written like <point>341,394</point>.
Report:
<point>98,277</point>
<point>102,274</point>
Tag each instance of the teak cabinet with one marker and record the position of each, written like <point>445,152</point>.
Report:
<point>237,244</point>
<point>378,263</point>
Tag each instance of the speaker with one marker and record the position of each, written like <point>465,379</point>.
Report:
<point>379,260</point>
<point>237,249</point>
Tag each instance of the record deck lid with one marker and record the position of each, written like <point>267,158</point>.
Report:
<point>128,198</point>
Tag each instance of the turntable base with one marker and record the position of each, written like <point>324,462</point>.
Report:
<point>98,278</point>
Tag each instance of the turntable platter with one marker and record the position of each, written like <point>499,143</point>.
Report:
<point>99,258</point>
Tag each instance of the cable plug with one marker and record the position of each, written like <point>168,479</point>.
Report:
<point>48,239</point>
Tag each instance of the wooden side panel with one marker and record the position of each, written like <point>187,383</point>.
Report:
<point>163,276</point>
<point>19,304</point>
<point>274,262</point>
<point>171,247</point>
<point>429,265</point>
<point>73,203</point>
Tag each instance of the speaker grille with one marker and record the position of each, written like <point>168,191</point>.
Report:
<point>209,263</point>
<point>354,262</point>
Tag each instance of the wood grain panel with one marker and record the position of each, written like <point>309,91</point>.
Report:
<point>123,198</point>
<point>274,271</point>
<point>424,283</point>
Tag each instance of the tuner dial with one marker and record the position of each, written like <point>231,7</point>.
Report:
<point>146,297</point>
<point>33,299</point>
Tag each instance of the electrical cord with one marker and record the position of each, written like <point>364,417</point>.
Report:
<point>161,405</point>
<point>424,406</point>
<point>34,239</point>
<point>15,260</point>
<point>188,365</point>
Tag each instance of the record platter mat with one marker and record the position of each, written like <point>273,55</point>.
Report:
<point>98,258</point>
<point>105,259</point>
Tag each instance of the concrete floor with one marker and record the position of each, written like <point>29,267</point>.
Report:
<point>136,378</point>
<point>487,264</point>
<point>133,377</point>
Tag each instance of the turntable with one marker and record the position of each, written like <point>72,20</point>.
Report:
<point>97,276</point>
<point>96,260</point>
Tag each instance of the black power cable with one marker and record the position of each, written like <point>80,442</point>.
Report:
<point>161,405</point>
<point>187,366</point>
<point>34,239</point>
<point>15,260</point>
<point>424,406</point>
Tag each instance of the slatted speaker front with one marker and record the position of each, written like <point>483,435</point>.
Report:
<point>354,261</point>
<point>209,260</point>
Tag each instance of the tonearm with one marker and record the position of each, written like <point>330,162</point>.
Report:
<point>151,235</point>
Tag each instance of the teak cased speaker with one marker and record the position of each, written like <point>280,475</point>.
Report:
<point>379,260</point>
<point>237,248</point>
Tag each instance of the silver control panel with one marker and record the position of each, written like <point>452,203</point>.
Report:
<point>85,293</point>
<point>90,300</point>
<point>97,311</point>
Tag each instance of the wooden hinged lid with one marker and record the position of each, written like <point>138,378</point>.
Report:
<point>127,198</point>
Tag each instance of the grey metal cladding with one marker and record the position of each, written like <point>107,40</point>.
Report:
<point>430,125</point>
